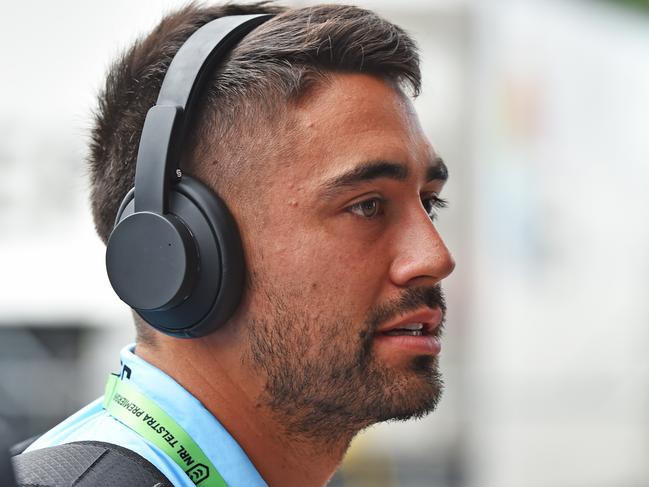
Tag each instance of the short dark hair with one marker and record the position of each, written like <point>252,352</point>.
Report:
<point>275,65</point>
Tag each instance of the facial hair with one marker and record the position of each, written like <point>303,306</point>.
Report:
<point>323,379</point>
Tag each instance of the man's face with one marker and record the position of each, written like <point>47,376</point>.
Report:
<point>345,263</point>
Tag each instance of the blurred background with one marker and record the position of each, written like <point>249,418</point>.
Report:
<point>541,110</point>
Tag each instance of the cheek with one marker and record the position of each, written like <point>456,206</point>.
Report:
<point>327,275</point>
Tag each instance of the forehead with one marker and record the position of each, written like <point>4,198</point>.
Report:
<point>355,118</point>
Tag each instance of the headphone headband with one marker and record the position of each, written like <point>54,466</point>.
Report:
<point>166,123</point>
<point>195,59</point>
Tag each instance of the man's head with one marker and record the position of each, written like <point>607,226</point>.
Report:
<point>307,135</point>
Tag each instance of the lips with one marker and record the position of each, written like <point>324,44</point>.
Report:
<point>421,323</point>
<point>414,333</point>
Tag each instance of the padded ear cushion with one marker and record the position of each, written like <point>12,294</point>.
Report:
<point>219,285</point>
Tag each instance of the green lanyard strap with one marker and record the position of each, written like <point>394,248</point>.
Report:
<point>132,408</point>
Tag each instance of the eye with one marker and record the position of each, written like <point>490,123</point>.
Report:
<point>432,203</point>
<point>368,208</point>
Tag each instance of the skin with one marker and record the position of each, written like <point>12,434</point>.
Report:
<point>319,263</point>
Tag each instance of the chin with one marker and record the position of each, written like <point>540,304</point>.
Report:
<point>413,394</point>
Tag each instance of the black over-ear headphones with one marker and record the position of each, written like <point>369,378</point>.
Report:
<point>175,253</point>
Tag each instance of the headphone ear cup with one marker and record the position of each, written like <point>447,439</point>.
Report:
<point>218,284</point>
<point>152,261</point>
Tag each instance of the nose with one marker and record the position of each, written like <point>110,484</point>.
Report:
<point>420,255</point>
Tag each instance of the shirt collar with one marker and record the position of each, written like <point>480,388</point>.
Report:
<point>220,447</point>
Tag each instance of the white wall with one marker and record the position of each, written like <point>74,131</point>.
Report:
<point>559,326</point>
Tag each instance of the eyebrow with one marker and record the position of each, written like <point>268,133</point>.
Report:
<point>377,169</point>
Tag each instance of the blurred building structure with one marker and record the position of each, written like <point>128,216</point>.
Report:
<point>540,109</point>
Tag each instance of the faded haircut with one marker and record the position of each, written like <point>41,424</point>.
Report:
<point>248,95</point>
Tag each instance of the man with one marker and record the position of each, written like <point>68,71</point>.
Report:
<point>308,135</point>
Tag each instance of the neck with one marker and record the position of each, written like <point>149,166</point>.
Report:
<point>211,370</point>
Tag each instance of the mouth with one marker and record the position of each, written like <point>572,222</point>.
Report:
<point>417,332</point>
<point>421,323</point>
<point>408,329</point>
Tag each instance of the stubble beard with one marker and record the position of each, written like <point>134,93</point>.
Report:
<point>324,382</point>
